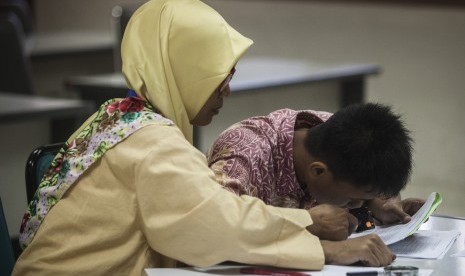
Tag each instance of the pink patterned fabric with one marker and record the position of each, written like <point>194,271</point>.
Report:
<point>255,157</point>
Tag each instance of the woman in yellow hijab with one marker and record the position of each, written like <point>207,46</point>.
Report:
<point>128,191</point>
<point>176,54</point>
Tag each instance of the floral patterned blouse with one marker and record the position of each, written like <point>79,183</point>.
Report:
<point>254,157</point>
<point>115,120</point>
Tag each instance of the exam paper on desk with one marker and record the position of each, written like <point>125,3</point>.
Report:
<point>425,244</point>
<point>459,254</point>
<point>396,232</point>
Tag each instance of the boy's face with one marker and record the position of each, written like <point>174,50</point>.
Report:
<point>342,194</point>
<point>325,189</point>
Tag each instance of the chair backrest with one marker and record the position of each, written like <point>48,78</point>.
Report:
<point>37,165</point>
<point>7,257</point>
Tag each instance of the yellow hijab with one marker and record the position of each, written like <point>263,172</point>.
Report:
<point>175,54</point>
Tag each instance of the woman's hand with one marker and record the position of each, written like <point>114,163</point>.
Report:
<point>369,250</point>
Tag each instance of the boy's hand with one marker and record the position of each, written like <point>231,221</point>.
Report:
<point>331,222</point>
<point>394,209</point>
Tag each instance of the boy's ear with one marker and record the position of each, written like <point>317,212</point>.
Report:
<point>318,169</point>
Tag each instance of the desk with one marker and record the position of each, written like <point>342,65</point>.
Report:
<point>448,266</point>
<point>15,107</point>
<point>252,74</point>
<point>65,114</point>
<point>46,45</point>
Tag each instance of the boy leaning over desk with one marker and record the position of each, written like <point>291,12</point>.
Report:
<point>359,156</point>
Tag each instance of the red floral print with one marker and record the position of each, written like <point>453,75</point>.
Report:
<point>131,104</point>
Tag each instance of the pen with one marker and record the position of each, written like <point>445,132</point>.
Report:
<point>363,273</point>
<point>271,272</point>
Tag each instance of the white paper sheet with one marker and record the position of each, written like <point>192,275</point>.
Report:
<point>425,244</point>
<point>459,254</point>
<point>394,233</point>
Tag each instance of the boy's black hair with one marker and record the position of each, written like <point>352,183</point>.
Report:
<point>365,144</point>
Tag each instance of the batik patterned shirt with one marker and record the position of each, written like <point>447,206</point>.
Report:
<point>255,157</point>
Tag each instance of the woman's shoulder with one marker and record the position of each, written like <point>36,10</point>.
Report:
<point>158,131</point>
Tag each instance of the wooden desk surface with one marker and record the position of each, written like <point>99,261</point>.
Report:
<point>257,73</point>
<point>15,107</point>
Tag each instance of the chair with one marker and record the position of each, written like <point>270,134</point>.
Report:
<point>7,258</point>
<point>37,165</point>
